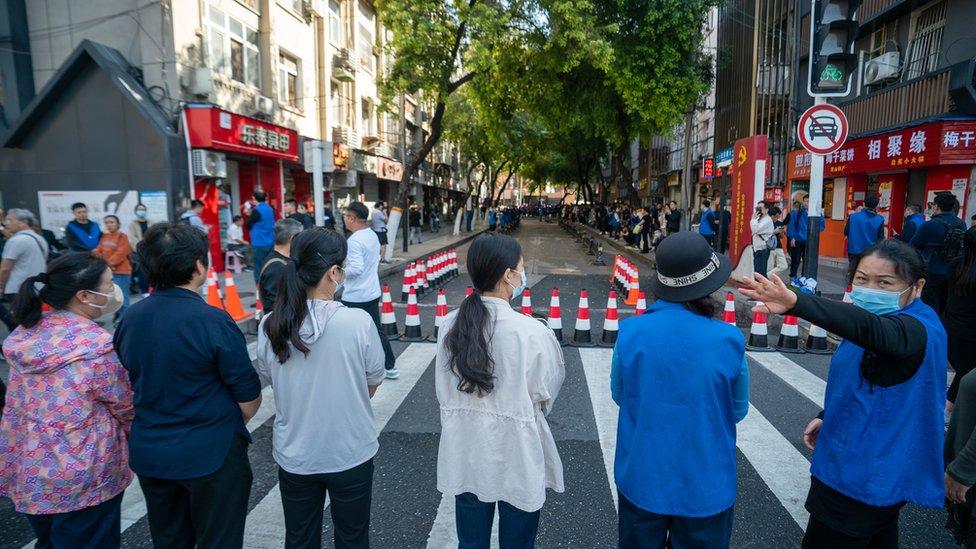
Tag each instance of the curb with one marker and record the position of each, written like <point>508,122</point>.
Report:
<point>387,270</point>
<point>622,248</point>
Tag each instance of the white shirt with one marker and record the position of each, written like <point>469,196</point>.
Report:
<point>323,417</point>
<point>377,221</point>
<point>362,267</point>
<point>762,229</point>
<point>235,234</point>
<point>499,446</point>
<point>28,250</point>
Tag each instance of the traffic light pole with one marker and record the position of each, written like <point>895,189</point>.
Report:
<point>811,259</point>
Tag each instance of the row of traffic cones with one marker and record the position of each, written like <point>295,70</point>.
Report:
<point>232,303</point>
<point>429,273</point>
<point>789,334</point>
<point>626,278</point>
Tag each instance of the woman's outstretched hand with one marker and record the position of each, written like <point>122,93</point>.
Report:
<point>772,293</point>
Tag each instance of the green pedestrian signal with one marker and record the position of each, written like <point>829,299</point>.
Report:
<point>833,30</point>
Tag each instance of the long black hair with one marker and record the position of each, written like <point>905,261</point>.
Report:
<point>65,276</point>
<point>313,253</point>
<point>909,265</point>
<point>467,342</point>
<point>964,270</point>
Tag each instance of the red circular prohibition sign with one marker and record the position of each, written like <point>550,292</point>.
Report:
<point>822,129</point>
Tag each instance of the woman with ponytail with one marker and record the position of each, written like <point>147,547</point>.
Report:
<point>498,373</point>
<point>69,397</point>
<point>324,361</point>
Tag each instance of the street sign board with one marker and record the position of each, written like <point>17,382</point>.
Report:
<point>822,129</point>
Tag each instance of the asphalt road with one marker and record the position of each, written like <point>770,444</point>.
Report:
<point>408,512</point>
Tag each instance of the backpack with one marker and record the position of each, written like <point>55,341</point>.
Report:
<point>951,247</point>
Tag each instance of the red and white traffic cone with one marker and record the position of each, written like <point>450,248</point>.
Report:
<point>641,306</point>
<point>611,323</point>
<point>582,337</point>
<point>388,323</point>
<point>526,302</point>
<point>214,297</point>
<point>258,312</point>
<point>728,315</point>
<point>454,263</point>
<point>847,295</point>
<point>817,341</point>
<point>789,336</point>
<point>441,313</point>
<point>411,331</point>
<point>409,278</point>
<point>555,320</point>
<point>438,271</point>
<point>422,284</point>
<point>758,333</point>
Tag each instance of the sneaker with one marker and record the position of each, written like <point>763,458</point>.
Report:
<point>392,373</point>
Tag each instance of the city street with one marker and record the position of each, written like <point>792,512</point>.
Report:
<point>787,390</point>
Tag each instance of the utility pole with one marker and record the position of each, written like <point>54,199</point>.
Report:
<point>403,159</point>
<point>687,182</point>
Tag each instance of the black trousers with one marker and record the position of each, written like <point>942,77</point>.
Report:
<point>645,241</point>
<point>93,527</point>
<point>760,261</point>
<point>821,536</point>
<point>935,290</point>
<point>962,361</point>
<point>350,497</point>
<point>373,308</point>
<point>796,257</point>
<point>206,511</point>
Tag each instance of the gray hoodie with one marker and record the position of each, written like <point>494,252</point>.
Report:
<point>323,417</point>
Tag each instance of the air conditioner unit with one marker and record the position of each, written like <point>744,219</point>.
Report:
<point>382,149</point>
<point>343,69</point>
<point>209,163</point>
<point>263,105</point>
<point>346,135</point>
<point>881,68</point>
<point>197,80</point>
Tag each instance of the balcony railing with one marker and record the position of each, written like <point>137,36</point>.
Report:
<point>913,100</point>
<point>871,8</point>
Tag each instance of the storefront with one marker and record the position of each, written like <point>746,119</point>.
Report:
<point>256,154</point>
<point>901,167</point>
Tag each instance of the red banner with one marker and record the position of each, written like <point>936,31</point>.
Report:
<point>750,158</point>
<point>935,144</point>
<point>213,128</point>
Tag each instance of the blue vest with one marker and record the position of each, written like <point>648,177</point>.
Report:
<point>883,445</point>
<point>676,426</point>
<point>262,233</point>
<point>705,223</point>
<point>862,231</point>
<point>916,219</point>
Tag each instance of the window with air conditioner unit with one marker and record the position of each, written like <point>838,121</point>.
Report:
<point>232,47</point>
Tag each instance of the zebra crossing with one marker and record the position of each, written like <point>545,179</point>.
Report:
<point>409,512</point>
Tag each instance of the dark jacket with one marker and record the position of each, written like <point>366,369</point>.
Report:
<point>929,237</point>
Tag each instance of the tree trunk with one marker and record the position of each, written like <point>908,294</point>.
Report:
<point>504,185</point>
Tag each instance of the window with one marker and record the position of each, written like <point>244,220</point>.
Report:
<point>926,43</point>
<point>232,48</point>
<point>366,39</point>
<point>368,125</point>
<point>335,103</point>
<point>288,81</point>
<point>335,23</point>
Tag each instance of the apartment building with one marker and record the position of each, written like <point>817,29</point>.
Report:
<point>912,115</point>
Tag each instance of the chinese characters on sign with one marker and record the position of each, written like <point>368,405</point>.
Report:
<point>708,168</point>
<point>265,138</point>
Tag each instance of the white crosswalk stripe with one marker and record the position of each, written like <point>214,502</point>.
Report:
<point>796,376</point>
<point>596,367</point>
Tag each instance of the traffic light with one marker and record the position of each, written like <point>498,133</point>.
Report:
<point>833,29</point>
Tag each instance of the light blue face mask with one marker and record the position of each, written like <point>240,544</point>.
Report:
<point>879,302</point>
<point>517,290</point>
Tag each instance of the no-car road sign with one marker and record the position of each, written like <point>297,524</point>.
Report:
<point>822,129</point>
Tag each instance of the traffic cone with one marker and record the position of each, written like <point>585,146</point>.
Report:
<point>454,263</point>
<point>789,336</point>
<point>611,323</point>
<point>633,289</point>
<point>615,273</point>
<point>434,268</point>
<point>409,278</point>
<point>388,323</point>
<point>758,333</point>
<point>641,307</point>
<point>213,291</point>
<point>847,295</point>
<point>728,315</point>
<point>422,284</point>
<point>258,311</point>
<point>817,341</point>
<point>582,336</point>
<point>527,302</point>
<point>233,300</point>
<point>411,330</point>
<point>441,313</point>
<point>555,320</point>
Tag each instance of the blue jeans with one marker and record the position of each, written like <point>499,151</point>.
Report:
<point>92,527</point>
<point>640,529</point>
<point>124,282</point>
<point>261,253</point>
<point>473,518</point>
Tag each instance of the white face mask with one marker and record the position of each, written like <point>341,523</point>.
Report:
<point>113,300</point>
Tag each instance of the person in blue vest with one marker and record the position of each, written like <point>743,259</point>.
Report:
<point>261,223</point>
<point>914,218</point>
<point>682,383</point>
<point>797,230</point>
<point>940,241</point>
<point>878,443</point>
<point>864,227</point>
<point>81,234</point>
<point>708,222</point>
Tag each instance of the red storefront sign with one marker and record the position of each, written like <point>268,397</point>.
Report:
<point>708,168</point>
<point>213,128</point>
<point>750,158</point>
<point>935,144</point>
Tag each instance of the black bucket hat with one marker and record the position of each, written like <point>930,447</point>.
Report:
<point>688,268</point>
